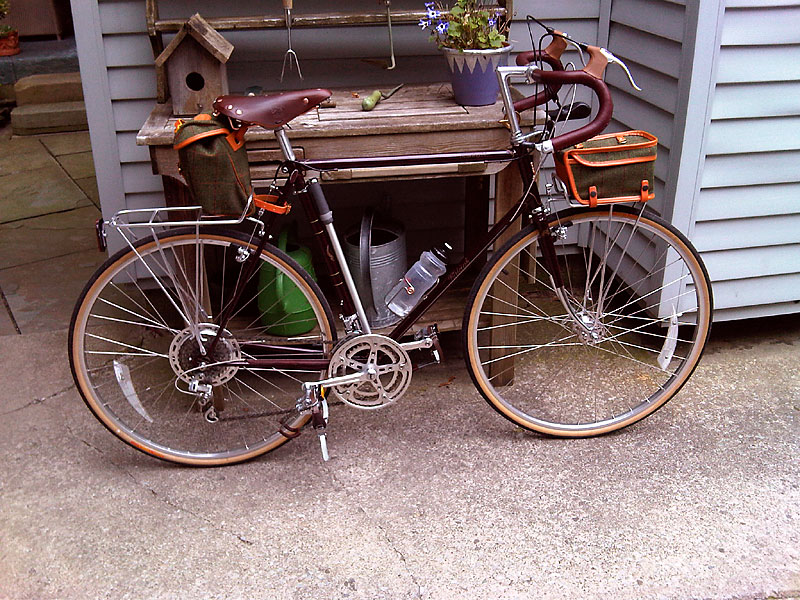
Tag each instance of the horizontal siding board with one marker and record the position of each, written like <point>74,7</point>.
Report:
<point>545,11</point>
<point>138,178</point>
<point>759,64</point>
<point>746,233</point>
<point>754,312</point>
<point>752,292</point>
<point>638,114</point>
<point>748,201</point>
<point>659,18</point>
<point>132,83</point>
<point>123,17</point>
<point>128,50</point>
<point>658,89</point>
<point>761,26</point>
<point>744,263</point>
<point>750,169</point>
<point>130,115</point>
<point>738,136</point>
<point>660,55</point>
<point>128,150</point>
<point>773,99</point>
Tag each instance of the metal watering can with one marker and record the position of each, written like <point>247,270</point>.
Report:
<point>376,256</point>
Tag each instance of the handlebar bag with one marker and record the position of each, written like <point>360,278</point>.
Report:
<point>213,160</point>
<point>608,168</point>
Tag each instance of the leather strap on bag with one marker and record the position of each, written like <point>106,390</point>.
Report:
<point>200,136</point>
<point>266,201</point>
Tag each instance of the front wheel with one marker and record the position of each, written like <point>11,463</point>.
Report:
<point>612,346</point>
<point>140,341</point>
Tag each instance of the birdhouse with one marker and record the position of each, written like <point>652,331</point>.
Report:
<point>191,69</point>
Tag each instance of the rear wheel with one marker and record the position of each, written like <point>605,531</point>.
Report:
<point>639,313</point>
<point>135,342</point>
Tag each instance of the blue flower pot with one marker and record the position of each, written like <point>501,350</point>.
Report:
<point>472,74</point>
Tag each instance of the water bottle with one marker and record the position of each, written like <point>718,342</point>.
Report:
<point>419,279</point>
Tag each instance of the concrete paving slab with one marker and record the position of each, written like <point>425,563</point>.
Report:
<point>33,240</point>
<point>88,186</point>
<point>42,294</point>
<point>67,143</point>
<point>78,165</point>
<point>434,497</point>
<point>20,158</point>
<point>39,192</point>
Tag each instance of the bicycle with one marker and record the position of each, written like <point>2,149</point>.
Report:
<point>585,321</point>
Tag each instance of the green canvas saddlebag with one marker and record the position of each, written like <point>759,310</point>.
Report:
<point>213,160</point>
<point>613,167</point>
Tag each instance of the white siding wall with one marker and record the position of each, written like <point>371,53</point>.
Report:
<point>747,211</point>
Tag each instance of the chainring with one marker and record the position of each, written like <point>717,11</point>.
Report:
<point>384,362</point>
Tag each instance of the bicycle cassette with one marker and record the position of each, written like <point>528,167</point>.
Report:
<point>383,362</point>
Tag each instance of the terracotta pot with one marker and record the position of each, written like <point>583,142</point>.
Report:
<point>9,43</point>
<point>472,74</point>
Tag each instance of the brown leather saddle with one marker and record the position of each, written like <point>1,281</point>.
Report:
<point>273,111</point>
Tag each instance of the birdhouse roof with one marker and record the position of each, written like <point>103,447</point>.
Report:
<point>208,37</point>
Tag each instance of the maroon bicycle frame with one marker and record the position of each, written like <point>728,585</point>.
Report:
<point>296,186</point>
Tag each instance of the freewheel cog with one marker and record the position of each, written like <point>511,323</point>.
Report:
<point>189,364</point>
<point>382,360</point>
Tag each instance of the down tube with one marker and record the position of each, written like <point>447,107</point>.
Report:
<point>453,272</point>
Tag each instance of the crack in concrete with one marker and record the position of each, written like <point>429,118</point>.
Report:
<point>37,401</point>
<point>384,534</point>
<point>163,499</point>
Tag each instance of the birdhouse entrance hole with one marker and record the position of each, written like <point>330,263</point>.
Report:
<point>195,81</point>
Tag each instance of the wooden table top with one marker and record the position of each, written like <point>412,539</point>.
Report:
<point>413,109</point>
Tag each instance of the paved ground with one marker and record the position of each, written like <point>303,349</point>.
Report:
<point>435,497</point>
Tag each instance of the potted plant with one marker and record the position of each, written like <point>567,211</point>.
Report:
<point>9,37</point>
<point>472,36</point>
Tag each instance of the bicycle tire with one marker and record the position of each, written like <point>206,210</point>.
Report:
<point>131,355</point>
<point>542,371</point>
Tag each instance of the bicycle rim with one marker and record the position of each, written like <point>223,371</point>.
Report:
<point>640,312</point>
<point>134,346</point>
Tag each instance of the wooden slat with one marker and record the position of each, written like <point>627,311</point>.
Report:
<point>300,20</point>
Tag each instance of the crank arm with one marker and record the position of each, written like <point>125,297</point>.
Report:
<point>333,382</point>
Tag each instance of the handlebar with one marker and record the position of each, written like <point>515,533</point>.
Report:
<point>591,76</point>
<point>550,55</point>
<point>604,112</point>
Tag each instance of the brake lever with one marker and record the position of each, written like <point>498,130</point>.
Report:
<point>613,60</point>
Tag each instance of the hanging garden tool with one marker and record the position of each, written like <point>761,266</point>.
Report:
<point>291,56</point>
<point>372,100</point>
<point>390,63</point>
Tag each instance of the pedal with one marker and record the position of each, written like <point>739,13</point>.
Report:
<point>319,420</point>
<point>430,333</point>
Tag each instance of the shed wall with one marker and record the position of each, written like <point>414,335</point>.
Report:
<point>747,212</point>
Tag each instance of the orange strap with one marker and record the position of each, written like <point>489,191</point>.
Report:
<point>593,196</point>
<point>266,201</point>
<point>645,193</point>
<point>200,136</point>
